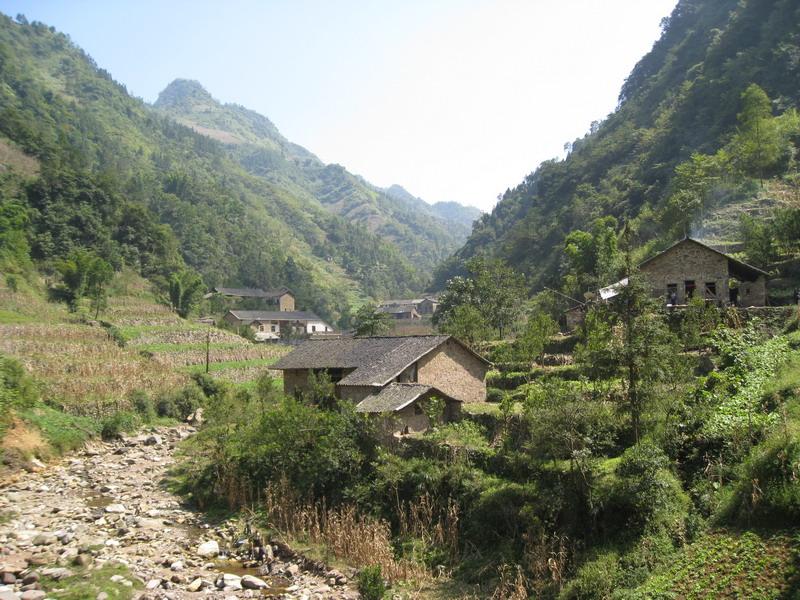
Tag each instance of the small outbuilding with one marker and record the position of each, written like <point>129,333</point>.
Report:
<point>402,407</point>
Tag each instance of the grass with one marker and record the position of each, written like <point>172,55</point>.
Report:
<point>10,317</point>
<point>226,365</point>
<point>63,431</point>
<point>88,583</point>
<point>729,564</point>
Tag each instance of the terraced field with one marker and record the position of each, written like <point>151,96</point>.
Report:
<point>91,367</point>
<point>182,346</point>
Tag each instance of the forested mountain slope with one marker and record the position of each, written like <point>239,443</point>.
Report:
<point>87,165</point>
<point>682,98</point>
<point>420,232</point>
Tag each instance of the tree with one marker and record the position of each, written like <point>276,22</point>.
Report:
<point>466,323</point>
<point>99,276</point>
<point>758,140</point>
<point>530,345</point>
<point>82,273</point>
<point>493,289</point>
<point>369,321</point>
<point>185,288</point>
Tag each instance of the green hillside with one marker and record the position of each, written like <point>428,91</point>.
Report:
<point>87,165</point>
<point>418,230</point>
<point>684,97</point>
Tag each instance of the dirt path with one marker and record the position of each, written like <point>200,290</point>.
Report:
<point>107,506</point>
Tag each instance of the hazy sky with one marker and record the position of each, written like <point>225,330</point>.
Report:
<point>453,99</point>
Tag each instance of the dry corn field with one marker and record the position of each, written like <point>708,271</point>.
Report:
<point>81,367</point>
<point>84,369</point>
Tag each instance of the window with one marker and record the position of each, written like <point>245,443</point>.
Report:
<point>689,286</point>
<point>711,289</point>
<point>261,328</point>
<point>273,328</point>
<point>672,293</point>
<point>313,328</point>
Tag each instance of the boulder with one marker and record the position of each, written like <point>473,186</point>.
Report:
<point>33,595</point>
<point>115,508</point>
<point>208,549</point>
<point>253,583</point>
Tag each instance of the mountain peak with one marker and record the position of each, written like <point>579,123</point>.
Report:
<point>183,92</point>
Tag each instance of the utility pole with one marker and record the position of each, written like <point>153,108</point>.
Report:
<point>208,348</point>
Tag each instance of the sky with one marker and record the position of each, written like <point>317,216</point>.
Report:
<point>452,99</point>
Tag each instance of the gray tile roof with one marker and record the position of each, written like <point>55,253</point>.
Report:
<point>393,397</point>
<point>248,316</point>
<point>252,292</point>
<point>376,360</point>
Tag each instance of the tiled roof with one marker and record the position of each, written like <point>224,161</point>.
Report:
<point>252,292</point>
<point>735,266</point>
<point>248,316</point>
<point>393,309</point>
<point>376,360</point>
<point>393,397</point>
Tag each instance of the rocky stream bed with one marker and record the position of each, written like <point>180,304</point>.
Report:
<point>108,506</point>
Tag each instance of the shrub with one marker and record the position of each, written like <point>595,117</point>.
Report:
<point>180,404</point>
<point>596,579</point>
<point>494,395</point>
<point>768,490</point>
<point>370,583</point>
<point>647,492</point>
<point>143,406</point>
<point>114,426</point>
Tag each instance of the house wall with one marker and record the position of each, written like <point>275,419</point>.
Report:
<point>231,320</point>
<point>684,262</point>
<point>295,381</point>
<point>455,371</point>
<point>427,307</point>
<point>286,302</point>
<point>354,393</point>
<point>753,293</point>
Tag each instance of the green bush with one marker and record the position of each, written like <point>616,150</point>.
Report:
<point>595,580</point>
<point>647,493</point>
<point>768,488</point>
<point>179,405</point>
<point>143,406</point>
<point>370,583</point>
<point>122,422</point>
<point>494,395</point>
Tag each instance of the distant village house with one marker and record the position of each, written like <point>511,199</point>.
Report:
<point>272,325</point>
<point>282,298</point>
<point>412,308</point>
<point>392,376</point>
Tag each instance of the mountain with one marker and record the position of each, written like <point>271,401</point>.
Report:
<point>86,165</point>
<point>456,214</point>
<point>423,234</point>
<point>683,97</point>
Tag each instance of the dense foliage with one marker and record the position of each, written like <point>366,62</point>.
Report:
<point>115,177</point>
<point>688,106</point>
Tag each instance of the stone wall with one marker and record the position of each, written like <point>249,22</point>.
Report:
<point>455,371</point>
<point>295,381</point>
<point>286,302</point>
<point>355,393</point>
<point>684,262</point>
<point>753,293</point>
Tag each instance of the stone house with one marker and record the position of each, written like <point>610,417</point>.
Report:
<point>691,269</point>
<point>368,371</point>
<point>400,311</point>
<point>272,325</point>
<point>282,298</point>
<point>412,306</point>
